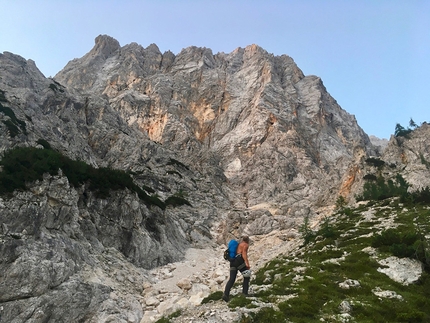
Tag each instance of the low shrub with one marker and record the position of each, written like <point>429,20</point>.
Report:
<point>375,162</point>
<point>265,315</point>
<point>13,124</point>
<point>27,164</point>
<point>175,200</point>
<point>2,96</point>
<point>44,143</point>
<point>381,189</point>
<point>306,232</point>
<point>212,297</point>
<point>403,243</point>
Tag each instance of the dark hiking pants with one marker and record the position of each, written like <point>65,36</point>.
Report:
<point>237,264</point>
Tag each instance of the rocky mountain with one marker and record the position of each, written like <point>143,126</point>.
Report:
<point>378,142</point>
<point>245,141</point>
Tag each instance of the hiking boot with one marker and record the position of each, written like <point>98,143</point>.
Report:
<point>225,298</point>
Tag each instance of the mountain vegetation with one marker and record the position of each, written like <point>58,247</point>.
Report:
<point>23,165</point>
<point>335,276</point>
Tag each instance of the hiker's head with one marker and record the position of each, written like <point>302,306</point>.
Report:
<point>245,239</point>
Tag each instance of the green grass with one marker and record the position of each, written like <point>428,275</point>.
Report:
<point>240,301</point>
<point>212,297</point>
<point>168,318</point>
<point>317,292</point>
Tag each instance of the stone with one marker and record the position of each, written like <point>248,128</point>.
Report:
<point>386,293</point>
<point>347,284</point>
<point>184,284</point>
<point>345,307</point>
<point>402,270</point>
<point>152,301</point>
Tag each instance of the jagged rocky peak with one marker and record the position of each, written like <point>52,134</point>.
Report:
<point>234,108</point>
<point>105,46</point>
<point>379,143</point>
<point>19,72</point>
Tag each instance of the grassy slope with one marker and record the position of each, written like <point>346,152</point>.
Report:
<point>304,287</point>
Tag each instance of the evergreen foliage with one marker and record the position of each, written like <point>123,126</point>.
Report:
<point>375,162</point>
<point>401,131</point>
<point>176,200</point>
<point>306,232</point>
<point>28,164</point>
<point>370,177</point>
<point>2,96</point>
<point>421,196</point>
<point>340,202</point>
<point>13,124</point>
<point>381,189</point>
<point>44,143</point>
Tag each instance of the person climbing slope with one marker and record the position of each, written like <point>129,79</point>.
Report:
<point>239,263</point>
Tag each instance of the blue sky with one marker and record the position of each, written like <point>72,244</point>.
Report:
<point>373,56</point>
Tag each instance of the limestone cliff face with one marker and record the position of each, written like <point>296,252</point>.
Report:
<point>410,157</point>
<point>252,143</point>
<point>275,135</point>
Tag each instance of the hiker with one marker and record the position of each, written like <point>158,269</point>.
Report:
<point>241,263</point>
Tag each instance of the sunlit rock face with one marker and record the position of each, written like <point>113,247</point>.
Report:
<point>410,157</point>
<point>269,132</point>
<point>246,138</point>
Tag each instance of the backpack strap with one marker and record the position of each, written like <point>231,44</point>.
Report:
<point>238,263</point>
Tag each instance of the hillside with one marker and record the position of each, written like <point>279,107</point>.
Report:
<point>369,263</point>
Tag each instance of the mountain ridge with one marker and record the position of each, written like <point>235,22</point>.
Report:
<point>246,139</point>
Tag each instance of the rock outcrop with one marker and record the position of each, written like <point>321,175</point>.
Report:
<point>237,113</point>
<point>410,156</point>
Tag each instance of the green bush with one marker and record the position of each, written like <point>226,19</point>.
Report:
<point>375,162</point>
<point>421,196</point>
<point>27,164</point>
<point>13,124</point>
<point>13,129</point>
<point>175,200</point>
<point>212,297</point>
<point>240,301</point>
<point>340,202</point>
<point>381,189</point>
<point>306,232</point>
<point>168,318</point>
<point>2,96</point>
<point>44,143</point>
<point>401,131</point>
<point>347,211</point>
<point>370,177</point>
<point>403,243</point>
<point>327,230</point>
<point>265,315</point>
